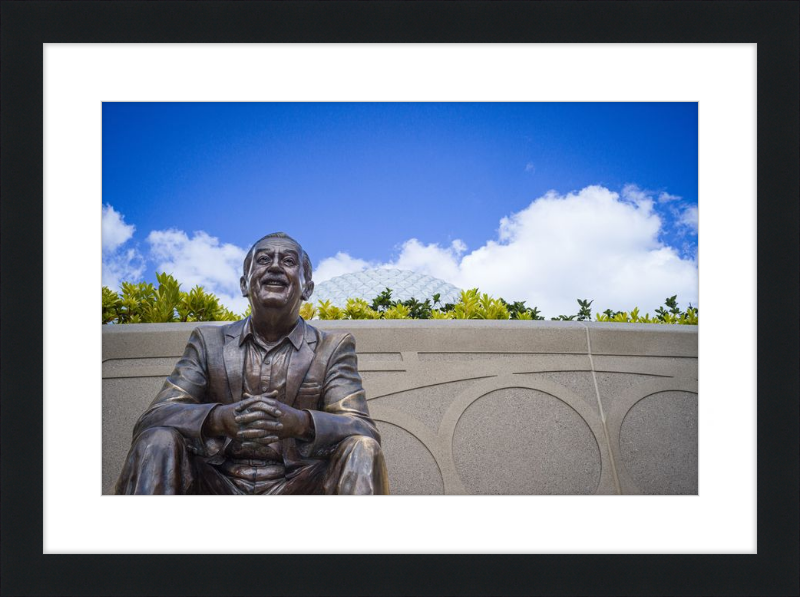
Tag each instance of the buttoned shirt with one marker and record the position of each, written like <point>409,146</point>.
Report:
<point>266,366</point>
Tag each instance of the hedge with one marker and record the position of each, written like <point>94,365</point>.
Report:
<point>145,303</point>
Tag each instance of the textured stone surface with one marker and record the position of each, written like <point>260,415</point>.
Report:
<point>380,375</point>
<point>147,339</point>
<point>479,357</point>
<point>124,400</point>
<point>155,367</point>
<point>412,468</point>
<point>643,339</point>
<point>658,443</point>
<point>614,385</point>
<point>578,382</point>
<point>469,335</point>
<point>372,357</point>
<point>664,366</point>
<point>520,441</point>
<point>427,404</point>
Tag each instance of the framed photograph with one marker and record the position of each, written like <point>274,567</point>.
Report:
<point>63,62</point>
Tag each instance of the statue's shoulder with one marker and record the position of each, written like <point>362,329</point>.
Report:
<point>217,333</point>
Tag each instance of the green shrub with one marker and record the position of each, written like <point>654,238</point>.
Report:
<point>359,309</point>
<point>144,303</point>
<point>111,305</point>
<point>398,311</point>
<point>307,311</point>
<point>326,310</point>
<point>671,315</point>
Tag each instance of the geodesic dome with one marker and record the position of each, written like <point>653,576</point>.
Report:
<point>368,284</point>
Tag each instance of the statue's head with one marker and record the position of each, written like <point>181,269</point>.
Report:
<point>277,275</point>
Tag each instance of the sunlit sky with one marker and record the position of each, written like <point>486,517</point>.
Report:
<point>543,202</point>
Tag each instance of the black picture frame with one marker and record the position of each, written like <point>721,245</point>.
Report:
<point>25,26</point>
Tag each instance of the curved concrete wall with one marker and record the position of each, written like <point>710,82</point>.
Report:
<point>483,407</point>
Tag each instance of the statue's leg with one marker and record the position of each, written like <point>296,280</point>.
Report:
<point>357,467</point>
<point>157,463</point>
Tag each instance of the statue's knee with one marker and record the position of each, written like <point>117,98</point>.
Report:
<point>360,468</point>
<point>362,444</point>
<point>160,438</point>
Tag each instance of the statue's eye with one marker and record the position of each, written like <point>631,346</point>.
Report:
<point>263,259</point>
<point>289,262</point>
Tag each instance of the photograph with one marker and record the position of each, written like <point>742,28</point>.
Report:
<point>418,298</point>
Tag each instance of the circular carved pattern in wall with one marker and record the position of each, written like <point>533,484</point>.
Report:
<point>412,469</point>
<point>523,441</point>
<point>658,443</point>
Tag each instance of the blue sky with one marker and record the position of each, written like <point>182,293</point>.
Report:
<point>544,202</point>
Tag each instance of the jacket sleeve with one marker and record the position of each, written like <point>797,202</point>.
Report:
<point>181,402</point>
<point>344,403</point>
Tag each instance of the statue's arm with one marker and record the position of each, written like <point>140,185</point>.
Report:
<point>344,403</point>
<point>181,403</point>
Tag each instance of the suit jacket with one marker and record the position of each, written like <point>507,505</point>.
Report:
<point>322,379</point>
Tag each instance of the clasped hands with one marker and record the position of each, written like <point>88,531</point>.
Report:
<point>260,420</point>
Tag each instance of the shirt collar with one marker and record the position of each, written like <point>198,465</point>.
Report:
<point>296,336</point>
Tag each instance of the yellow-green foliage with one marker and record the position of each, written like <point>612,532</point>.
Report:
<point>360,309</point>
<point>687,318</point>
<point>468,305</point>
<point>491,308</point>
<point>144,303</point>
<point>307,311</point>
<point>473,305</point>
<point>199,305</point>
<point>326,310</point>
<point>672,314</point>
<point>398,311</point>
<point>111,305</point>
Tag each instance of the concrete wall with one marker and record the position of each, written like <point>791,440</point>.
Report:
<point>483,407</point>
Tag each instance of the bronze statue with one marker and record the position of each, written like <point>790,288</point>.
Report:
<point>267,405</point>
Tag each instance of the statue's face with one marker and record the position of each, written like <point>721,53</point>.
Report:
<point>275,279</point>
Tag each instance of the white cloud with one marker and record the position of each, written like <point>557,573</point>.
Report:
<point>440,262</point>
<point>637,196</point>
<point>115,231</point>
<point>689,218</point>
<point>119,264</point>
<point>338,265</point>
<point>530,167</point>
<point>666,197</point>
<point>200,260</point>
<point>589,244</point>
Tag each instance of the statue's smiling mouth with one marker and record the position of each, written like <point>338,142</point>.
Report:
<point>274,283</point>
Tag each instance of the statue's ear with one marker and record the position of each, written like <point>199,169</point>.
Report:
<point>243,285</point>
<point>309,290</point>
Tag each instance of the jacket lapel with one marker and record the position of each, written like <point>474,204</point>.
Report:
<point>233,355</point>
<point>299,362</point>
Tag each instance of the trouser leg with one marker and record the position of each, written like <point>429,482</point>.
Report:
<point>356,467</point>
<point>157,463</point>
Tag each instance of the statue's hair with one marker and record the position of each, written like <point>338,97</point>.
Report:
<point>303,255</point>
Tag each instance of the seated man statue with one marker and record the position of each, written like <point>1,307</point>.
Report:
<point>267,405</point>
